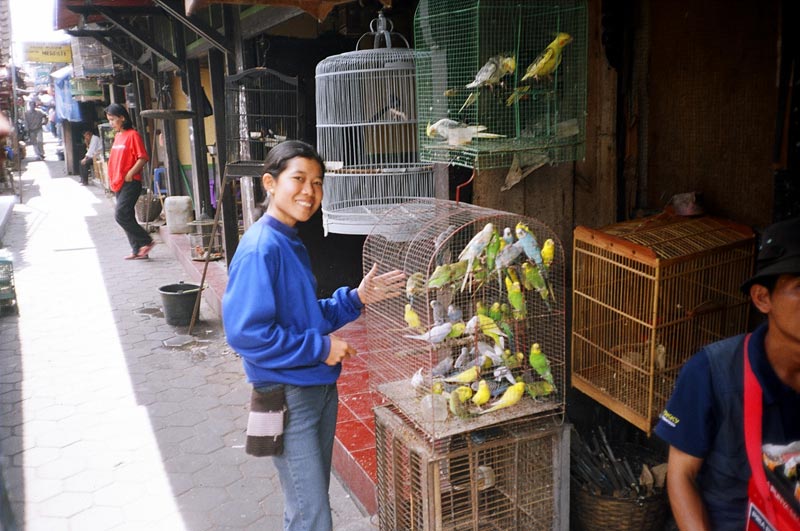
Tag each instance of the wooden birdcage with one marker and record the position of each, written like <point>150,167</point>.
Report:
<point>514,477</point>
<point>536,114</point>
<point>647,294</point>
<point>366,132</point>
<point>424,238</point>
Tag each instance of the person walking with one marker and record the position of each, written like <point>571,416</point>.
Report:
<point>34,121</point>
<point>735,395</point>
<point>284,334</point>
<point>125,163</point>
<point>93,148</point>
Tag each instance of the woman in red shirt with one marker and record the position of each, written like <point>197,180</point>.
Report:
<point>125,164</point>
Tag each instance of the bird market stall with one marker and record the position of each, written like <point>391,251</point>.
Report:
<point>501,83</point>
<point>471,363</point>
<point>366,133</point>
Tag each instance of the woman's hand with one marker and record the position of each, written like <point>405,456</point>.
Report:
<point>375,288</point>
<point>339,351</point>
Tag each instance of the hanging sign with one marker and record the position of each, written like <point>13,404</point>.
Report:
<point>35,52</point>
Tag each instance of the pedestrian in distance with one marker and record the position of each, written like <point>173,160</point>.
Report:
<point>125,163</point>
<point>34,122</point>
<point>93,148</point>
<point>735,395</point>
<point>285,334</point>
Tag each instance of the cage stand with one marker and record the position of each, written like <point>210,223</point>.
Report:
<point>462,185</point>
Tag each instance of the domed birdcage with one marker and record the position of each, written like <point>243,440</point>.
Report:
<point>367,133</point>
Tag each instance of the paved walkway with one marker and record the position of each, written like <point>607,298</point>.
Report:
<point>102,426</point>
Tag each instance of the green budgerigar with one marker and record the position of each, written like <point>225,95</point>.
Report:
<point>457,400</point>
<point>440,276</point>
<point>539,389</point>
<point>516,298</point>
<point>533,280</point>
<point>492,249</point>
<point>540,363</point>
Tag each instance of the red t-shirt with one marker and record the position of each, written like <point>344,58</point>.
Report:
<point>126,150</point>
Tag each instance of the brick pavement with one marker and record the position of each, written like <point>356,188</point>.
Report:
<point>102,427</point>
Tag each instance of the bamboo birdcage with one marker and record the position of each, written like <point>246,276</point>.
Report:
<point>514,477</point>
<point>647,294</point>
<point>419,237</point>
<point>366,132</point>
<point>541,120</point>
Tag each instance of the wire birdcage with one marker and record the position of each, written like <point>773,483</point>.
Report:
<point>90,58</point>
<point>410,370</point>
<point>262,110</point>
<point>526,108</point>
<point>647,294</point>
<point>367,133</point>
<point>514,477</point>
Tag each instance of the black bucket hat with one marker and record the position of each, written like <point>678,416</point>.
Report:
<point>778,252</point>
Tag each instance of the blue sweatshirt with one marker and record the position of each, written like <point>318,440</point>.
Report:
<point>271,313</point>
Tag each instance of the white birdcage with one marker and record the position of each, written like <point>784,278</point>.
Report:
<point>366,131</point>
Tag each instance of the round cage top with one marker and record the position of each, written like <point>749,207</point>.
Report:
<point>388,59</point>
<point>466,263</point>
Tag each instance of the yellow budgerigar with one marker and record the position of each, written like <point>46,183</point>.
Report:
<point>482,395</point>
<point>468,376</point>
<point>548,252</point>
<point>511,396</point>
<point>546,63</point>
<point>412,318</point>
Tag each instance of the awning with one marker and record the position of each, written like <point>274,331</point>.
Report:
<point>318,9</point>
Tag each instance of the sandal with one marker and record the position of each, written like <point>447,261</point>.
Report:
<point>136,257</point>
<point>144,250</point>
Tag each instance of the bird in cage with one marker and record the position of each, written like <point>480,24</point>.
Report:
<point>543,66</point>
<point>505,259</point>
<point>495,69</point>
<point>412,319</point>
<point>474,248</point>
<point>482,395</point>
<point>533,281</point>
<point>415,284</point>
<point>548,252</point>
<point>435,335</point>
<point>457,330</point>
<point>492,248</point>
<point>457,401</point>
<point>538,390</point>
<point>443,367</point>
<point>515,295</point>
<point>454,313</point>
<point>438,312</point>
<point>540,363</point>
<point>457,133</point>
<point>546,62</point>
<point>466,376</point>
<point>488,327</point>
<point>510,398</point>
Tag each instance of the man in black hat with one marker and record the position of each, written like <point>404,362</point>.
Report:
<point>704,421</point>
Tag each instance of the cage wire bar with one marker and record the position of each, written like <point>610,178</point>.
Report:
<point>366,133</point>
<point>262,110</point>
<point>647,295</point>
<point>514,477</point>
<point>424,238</point>
<point>540,121</point>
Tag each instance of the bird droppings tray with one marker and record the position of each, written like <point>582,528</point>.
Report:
<point>407,400</point>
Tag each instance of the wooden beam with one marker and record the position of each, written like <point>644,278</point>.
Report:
<point>217,40</point>
<point>112,16</point>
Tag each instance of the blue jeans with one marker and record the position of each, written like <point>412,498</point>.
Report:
<point>305,466</point>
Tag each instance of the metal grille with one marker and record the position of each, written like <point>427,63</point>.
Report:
<point>540,120</point>
<point>419,237</point>
<point>509,478</point>
<point>647,294</point>
<point>261,108</point>
<point>366,132</point>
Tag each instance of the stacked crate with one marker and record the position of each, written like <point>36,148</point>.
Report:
<point>509,477</point>
<point>647,294</point>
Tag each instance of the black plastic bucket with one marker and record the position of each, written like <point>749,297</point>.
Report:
<point>178,300</point>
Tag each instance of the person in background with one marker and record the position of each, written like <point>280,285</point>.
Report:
<point>93,148</point>
<point>711,421</point>
<point>285,334</point>
<point>34,121</point>
<point>125,163</point>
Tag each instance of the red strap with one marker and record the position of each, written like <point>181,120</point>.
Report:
<point>753,408</point>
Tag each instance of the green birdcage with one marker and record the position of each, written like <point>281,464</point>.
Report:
<point>536,114</point>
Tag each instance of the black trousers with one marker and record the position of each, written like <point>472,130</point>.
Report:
<point>125,215</point>
<point>85,171</point>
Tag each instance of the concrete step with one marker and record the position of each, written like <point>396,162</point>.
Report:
<point>7,203</point>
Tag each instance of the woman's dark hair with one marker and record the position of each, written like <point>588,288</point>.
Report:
<point>115,109</point>
<point>279,156</point>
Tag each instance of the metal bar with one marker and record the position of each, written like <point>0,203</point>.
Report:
<point>214,38</point>
<point>112,16</point>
